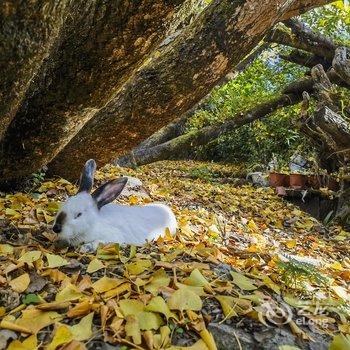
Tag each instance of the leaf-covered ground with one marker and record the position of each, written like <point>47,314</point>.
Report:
<point>244,264</point>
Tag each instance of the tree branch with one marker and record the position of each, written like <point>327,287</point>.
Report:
<point>305,59</point>
<point>341,64</point>
<point>282,36</point>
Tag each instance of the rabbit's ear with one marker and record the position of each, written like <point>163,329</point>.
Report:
<point>87,176</point>
<point>109,191</point>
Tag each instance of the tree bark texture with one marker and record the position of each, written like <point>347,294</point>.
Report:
<point>90,86</point>
<point>173,82</point>
<point>62,61</point>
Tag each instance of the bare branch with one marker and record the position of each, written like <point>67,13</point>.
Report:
<point>341,64</point>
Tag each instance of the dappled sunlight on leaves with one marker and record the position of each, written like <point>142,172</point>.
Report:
<point>241,248</point>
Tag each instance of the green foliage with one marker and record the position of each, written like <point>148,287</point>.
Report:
<point>332,20</point>
<point>266,77</point>
<point>259,141</point>
<point>277,134</point>
<point>296,274</point>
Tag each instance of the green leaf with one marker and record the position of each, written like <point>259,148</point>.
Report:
<point>32,299</point>
<point>340,342</point>
<point>242,281</point>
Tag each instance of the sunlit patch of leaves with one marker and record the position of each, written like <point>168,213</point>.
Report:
<point>225,252</point>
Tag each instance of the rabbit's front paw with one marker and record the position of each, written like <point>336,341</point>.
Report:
<point>89,247</point>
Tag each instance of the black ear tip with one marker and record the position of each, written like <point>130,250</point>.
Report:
<point>90,165</point>
<point>91,162</point>
<point>123,180</point>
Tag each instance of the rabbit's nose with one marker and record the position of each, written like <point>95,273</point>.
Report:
<point>57,228</point>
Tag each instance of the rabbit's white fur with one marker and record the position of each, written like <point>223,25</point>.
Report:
<point>114,223</point>
<point>86,218</point>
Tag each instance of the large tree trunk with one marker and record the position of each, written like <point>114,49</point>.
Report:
<point>177,79</point>
<point>178,126</point>
<point>83,74</point>
<point>62,61</point>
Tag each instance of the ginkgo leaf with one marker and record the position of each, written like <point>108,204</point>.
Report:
<point>158,279</point>
<point>68,293</point>
<point>208,339</point>
<point>31,343</point>
<point>271,284</point>
<point>149,320</point>
<point>55,260</point>
<point>227,304</point>
<point>291,243</point>
<point>131,307</point>
<point>121,289</point>
<point>21,283</point>
<point>80,309</point>
<point>6,249</point>
<point>30,257</point>
<point>35,320</point>
<point>105,284</point>
<point>63,335</point>
<point>196,279</point>
<point>132,329</point>
<point>185,299</point>
<point>196,290</point>
<point>340,342</point>
<point>138,266</point>
<point>94,266</point>
<point>242,281</point>
<point>158,304</point>
<point>336,266</point>
<point>83,330</point>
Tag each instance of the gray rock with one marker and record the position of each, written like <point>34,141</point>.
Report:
<point>134,187</point>
<point>228,337</point>
<point>258,179</point>
<point>5,337</point>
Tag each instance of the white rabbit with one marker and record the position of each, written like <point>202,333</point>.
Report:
<point>93,219</point>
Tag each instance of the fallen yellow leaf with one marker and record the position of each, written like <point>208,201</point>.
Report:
<point>21,283</point>
<point>138,267</point>
<point>185,299</point>
<point>55,260</point>
<point>105,284</point>
<point>132,329</point>
<point>30,257</point>
<point>31,343</point>
<point>63,335</point>
<point>242,281</point>
<point>83,330</point>
<point>68,293</point>
<point>94,266</point>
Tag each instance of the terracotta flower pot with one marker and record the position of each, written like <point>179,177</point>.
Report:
<point>314,181</point>
<point>278,179</point>
<point>297,180</point>
<point>333,185</point>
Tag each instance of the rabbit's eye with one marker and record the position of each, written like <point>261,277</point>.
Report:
<point>76,216</point>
